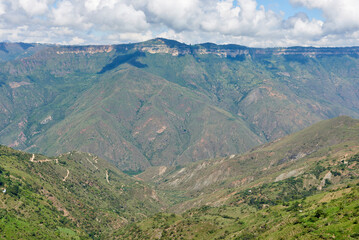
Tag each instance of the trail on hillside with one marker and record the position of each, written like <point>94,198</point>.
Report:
<point>92,163</point>
<point>43,160</point>
<point>107,177</point>
<point>67,175</point>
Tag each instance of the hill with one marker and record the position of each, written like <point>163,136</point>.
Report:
<point>73,196</point>
<point>327,215</point>
<point>289,168</point>
<point>162,102</point>
<point>304,186</point>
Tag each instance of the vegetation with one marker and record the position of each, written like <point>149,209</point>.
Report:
<point>298,165</point>
<point>332,214</point>
<point>40,202</point>
<point>157,110</point>
<point>161,102</point>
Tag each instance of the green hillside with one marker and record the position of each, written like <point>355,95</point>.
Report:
<point>301,161</point>
<point>73,196</point>
<point>304,186</point>
<point>162,102</point>
<point>328,215</point>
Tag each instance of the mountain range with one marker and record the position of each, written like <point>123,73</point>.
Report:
<point>165,103</point>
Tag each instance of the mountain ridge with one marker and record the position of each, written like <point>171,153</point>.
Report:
<point>164,108</point>
<point>176,48</point>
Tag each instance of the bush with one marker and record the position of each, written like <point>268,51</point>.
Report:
<point>13,190</point>
<point>320,213</point>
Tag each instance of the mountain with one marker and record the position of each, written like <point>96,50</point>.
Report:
<point>11,51</point>
<point>164,103</point>
<point>288,168</point>
<point>73,196</point>
<point>304,186</point>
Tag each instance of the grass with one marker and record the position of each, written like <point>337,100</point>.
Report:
<point>39,204</point>
<point>307,219</point>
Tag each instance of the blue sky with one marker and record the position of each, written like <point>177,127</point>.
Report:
<point>245,22</point>
<point>288,9</point>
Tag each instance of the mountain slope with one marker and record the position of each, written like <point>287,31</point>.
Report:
<point>71,196</point>
<point>304,186</point>
<point>161,102</point>
<point>299,187</point>
<point>323,216</point>
<point>143,120</point>
<point>307,157</point>
<point>11,51</point>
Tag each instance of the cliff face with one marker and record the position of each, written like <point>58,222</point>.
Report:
<point>85,50</point>
<point>175,49</point>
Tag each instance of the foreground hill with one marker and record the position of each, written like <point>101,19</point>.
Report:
<point>304,186</point>
<point>76,195</point>
<point>304,162</point>
<point>328,215</point>
<point>161,102</point>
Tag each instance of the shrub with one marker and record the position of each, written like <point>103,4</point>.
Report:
<point>320,213</point>
<point>13,190</point>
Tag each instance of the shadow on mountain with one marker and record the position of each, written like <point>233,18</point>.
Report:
<point>128,58</point>
<point>3,48</point>
<point>296,58</point>
<point>239,57</point>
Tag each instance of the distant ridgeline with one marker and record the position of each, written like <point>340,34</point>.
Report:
<point>165,103</point>
<point>165,46</point>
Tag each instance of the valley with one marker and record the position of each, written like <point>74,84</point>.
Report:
<point>302,186</point>
<point>164,140</point>
<point>162,102</point>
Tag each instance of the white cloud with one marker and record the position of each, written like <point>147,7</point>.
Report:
<point>341,15</point>
<point>177,15</point>
<point>192,21</point>
<point>121,17</point>
<point>130,37</point>
<point>246,19</point>
<point>301,27</point>
<point>34,7</point>
<point>76,41</point>
<point>70,14</point>
<point>2,7</point>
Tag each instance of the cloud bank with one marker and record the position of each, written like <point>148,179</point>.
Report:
<point>192,21</point>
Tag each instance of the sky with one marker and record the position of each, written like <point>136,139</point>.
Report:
<point>253,23</point>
